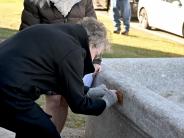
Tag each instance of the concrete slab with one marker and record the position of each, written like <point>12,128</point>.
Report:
<point>153,102</point>
<point>4,133</point>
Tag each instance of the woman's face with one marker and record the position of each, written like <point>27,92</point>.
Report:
<point>95,51</point>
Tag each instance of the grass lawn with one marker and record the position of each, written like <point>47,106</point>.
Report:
<point>137,44</point>
<point>73,120</point>
<point>10,12</point>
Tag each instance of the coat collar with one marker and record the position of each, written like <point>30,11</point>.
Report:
<point>64,6</point>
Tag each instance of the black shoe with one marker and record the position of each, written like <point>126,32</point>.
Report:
<point>124,33</point>
<point>116,32</point>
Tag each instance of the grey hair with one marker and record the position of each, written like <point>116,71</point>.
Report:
<point>41,3</point>
<point>96,32</point>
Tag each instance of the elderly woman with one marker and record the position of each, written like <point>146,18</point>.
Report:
<point>46,58</point>
<point>63,12</point>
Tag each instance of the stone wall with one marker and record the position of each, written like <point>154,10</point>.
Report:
<point>153,99</point>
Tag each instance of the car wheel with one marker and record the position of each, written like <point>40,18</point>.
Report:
<point>143,19</point>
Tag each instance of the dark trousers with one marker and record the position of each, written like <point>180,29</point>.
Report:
<point>29,123</point>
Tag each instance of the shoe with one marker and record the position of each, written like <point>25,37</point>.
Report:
<point>124,33</point>
<point>116,32</point>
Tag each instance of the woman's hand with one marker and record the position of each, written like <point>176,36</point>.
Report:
<point>97,67</point>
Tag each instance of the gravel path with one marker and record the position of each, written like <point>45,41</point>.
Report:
<point>73,133</point>
<point>67,133</point>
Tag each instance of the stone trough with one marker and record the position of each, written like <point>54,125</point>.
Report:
<point>153,99</point>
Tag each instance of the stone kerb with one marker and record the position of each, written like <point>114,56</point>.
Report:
<point>147,111</point>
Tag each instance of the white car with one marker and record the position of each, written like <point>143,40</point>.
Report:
<point>166,15</point>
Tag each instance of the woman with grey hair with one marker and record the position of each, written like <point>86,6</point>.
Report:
<point>46,58</point>
<point>62,12</point>
<point>96,32</point>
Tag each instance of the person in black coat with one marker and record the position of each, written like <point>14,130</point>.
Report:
<point>63,12</point>
<point>46,58</point>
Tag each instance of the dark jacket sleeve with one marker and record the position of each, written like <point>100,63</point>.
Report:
<point>30,15</point>
<point>86,89</point>
<point>72,72</point>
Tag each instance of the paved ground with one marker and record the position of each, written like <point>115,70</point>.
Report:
<point>67,133</point>
<point>73,133</point>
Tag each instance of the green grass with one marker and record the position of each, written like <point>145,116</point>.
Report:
<point>73,120</point>
<point>125,51</point>
<point>5,33</point>
<point>139,43</point>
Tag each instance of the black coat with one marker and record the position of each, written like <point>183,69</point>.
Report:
<point>47,58</point>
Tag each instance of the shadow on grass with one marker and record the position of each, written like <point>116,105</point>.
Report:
<point>124,51</point>
<point>5,32</point>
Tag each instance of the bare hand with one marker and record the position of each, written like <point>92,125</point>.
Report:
<point>98,68</point>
